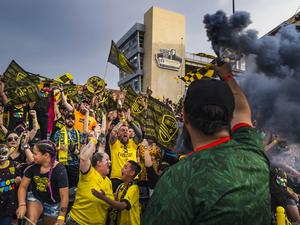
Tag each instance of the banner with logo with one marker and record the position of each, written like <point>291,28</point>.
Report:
<point>21,86</point>
<point>161,124</point>
<point>95,85</point>
<point>66,78</point>
<point>119,59</point>
<point>106,102</point>
<point>136,103</point>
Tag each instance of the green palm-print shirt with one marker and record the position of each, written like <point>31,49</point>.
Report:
<point>224,184</point>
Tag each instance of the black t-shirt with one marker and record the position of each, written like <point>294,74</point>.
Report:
<point>8,190</point>
<point>20,158</point>
<point>39,182</point>
<point>16,115</point>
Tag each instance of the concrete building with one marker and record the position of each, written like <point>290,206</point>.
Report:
<point>132,45</point>
<point>157,49</point>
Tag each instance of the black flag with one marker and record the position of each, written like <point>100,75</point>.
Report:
<point>118,59</point>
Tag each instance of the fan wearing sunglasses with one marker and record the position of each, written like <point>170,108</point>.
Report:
<point>9,180</point>
<point>16,153</point>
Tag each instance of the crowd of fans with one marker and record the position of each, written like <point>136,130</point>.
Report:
<point>64,162</point>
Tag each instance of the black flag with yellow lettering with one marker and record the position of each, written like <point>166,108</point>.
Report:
<point>119,59</point>
<point>136,103</point>
<point>20,85</point>
<point>161,124</point>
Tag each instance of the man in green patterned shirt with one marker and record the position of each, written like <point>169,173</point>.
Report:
<point>226,178</point>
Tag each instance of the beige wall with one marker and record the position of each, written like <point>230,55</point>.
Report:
<point>163,30</point>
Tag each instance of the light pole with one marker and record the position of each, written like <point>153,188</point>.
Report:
<point>233,8</point>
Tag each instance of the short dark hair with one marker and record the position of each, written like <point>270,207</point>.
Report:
<point>97,157</point>
<point>209,119</point>
<point>135,167</point>
<point>209,105</point>
<point>47,146</point>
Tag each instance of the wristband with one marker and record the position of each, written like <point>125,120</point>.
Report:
<point>22,204</point>
<point>61,218</point>
<point>228,77</point>
<point>93,140</point>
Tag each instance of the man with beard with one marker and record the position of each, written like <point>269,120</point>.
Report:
<point>225,179</point>
<point>68,140</point>
<point>123,148</point>
<point>82,114</point>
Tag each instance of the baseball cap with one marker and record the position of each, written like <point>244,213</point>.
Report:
<point>209,92</point>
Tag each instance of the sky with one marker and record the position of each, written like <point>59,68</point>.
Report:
<point>52,37</point>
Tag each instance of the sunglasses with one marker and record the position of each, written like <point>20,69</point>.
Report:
<point>12,139</point>
<point>70,118</point>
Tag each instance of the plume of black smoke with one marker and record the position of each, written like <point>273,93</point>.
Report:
<point>273,78</point>
<point>276,56</point>
<point>224,32</point>
<point>275,104</point>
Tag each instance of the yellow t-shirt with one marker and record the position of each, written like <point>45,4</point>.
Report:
<point>87,208</point>
<point>130,216</point>
<point>79,120</point>
<point>120,156</point>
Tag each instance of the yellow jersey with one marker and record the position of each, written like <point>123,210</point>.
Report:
<point>131,215</point>
<point>120,155</point>
<point>87,208</point>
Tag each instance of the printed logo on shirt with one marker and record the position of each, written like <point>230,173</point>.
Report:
<point>7,185</point>
<point>12,170</point>
<point>41,183</point>
<point>18,114</point>
<point>125,154</point>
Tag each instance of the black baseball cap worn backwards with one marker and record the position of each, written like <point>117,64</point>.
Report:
<point>209,92</point>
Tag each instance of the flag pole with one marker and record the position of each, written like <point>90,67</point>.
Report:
<point>106,69</point>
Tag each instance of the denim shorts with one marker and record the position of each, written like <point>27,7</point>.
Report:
<point>51,210</point>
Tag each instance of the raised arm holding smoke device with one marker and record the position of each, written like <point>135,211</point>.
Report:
<point>232,163</point>
<point>242,112</point>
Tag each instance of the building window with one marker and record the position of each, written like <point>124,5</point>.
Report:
<point>134,61</point>
<point>142,85</point>
<point>130,46</point>
<point>141,40</point>
<point>136,84</point>
<point>141,61</point>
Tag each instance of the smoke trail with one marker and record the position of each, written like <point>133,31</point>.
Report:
<point>272,79</point>
<point>275,56</point>
<point>225,32</point>
<point>275,104</point>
